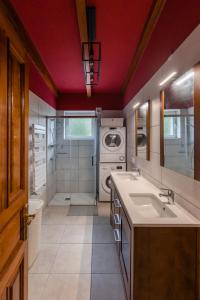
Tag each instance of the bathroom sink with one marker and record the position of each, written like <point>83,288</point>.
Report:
<point>149,206</point>
<point>126,176</point>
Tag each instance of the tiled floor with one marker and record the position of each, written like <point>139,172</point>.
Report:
<point>77,259</point>
<point>62,199</point>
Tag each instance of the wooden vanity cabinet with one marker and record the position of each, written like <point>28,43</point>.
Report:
<point>125,251</point>
<point>157,263</point>
<point>123,238</point>
<point>115,216</point>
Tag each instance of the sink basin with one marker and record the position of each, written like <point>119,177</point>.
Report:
<point>149,206</point>
<point>126,176</point>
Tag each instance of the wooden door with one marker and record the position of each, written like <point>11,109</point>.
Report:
<point>13,170</point>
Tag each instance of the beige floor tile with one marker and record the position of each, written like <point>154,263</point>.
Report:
<point>73,258</point>
<point>55,215</point>
<point>103,209</point>
<point>45,259</point>
<point>79,220</point>
<point>77,234</point>
<point>52,233</point>
<point>36,286</point>
<point>57,209</point>
<point>68,287</point>
<point>83,210</point>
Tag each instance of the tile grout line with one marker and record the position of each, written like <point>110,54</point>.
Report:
<point>59,243</point>
<point>91,262</point>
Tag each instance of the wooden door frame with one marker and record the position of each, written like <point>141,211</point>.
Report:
<point>18,259</point>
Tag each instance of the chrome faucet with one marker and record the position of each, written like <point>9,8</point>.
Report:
<point>169,194</point>
<point>137,170</point>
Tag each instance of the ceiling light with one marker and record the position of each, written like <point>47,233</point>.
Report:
<point>136,105</point>
<point>183,78</point>
<point>145,105</point>
<point>91,50</point>
<point>167,78</point>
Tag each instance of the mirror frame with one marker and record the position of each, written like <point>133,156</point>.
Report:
<point>148,125</point>
<point>196,69</point>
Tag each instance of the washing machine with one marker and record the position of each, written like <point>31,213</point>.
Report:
<point>141,138</point>
<point>105,170</point>
<point>112,144</point>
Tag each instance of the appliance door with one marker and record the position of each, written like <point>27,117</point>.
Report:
<point>113,141</point>
<point>141,140</point>
<point>125,251</point>
<point>106,178</point>
<point>106,183</point>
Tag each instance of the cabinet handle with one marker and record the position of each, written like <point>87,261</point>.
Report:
<point>116,235</point>
<point>117,220</point>
<point>117,203</point>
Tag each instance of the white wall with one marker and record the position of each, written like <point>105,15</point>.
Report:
<point>38,110</point>
<point>187,190</point>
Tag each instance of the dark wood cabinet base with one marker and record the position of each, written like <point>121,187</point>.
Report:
<point>165,264</point>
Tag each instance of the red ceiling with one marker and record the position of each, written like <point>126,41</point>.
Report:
<point>178,19</point>
<point>119,26</point>
<point>38,86</point>
<point>52,26</point>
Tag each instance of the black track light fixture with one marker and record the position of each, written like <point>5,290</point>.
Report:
<point>91,50</point>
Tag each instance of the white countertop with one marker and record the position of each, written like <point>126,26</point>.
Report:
<point>142,186</point>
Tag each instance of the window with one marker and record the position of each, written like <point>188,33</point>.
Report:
<point>172,128</point>
<point>79,128</point>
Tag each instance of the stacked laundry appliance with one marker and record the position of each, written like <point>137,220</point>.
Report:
<point>112,153</point>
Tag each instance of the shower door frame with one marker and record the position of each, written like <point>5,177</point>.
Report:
<point>95,163</point>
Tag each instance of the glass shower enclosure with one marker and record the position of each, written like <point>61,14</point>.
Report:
<point>75,158</point>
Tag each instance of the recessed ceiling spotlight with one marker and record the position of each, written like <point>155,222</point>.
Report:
<point>136,105</point>
<point>183,78</point>
<point>167,78</point>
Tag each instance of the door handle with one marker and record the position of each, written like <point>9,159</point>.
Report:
<point>92,160</point>
<point>28,218</point>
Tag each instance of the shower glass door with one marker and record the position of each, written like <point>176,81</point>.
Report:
<point>76,157</point>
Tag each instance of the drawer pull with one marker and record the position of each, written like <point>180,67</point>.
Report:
<point>117,203</point>
<point>116,235</point>
<point>117,220</point>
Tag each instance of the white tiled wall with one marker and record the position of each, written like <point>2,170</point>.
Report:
<point>74,170</point>
<point>187,189</point>
<point>38,110</point>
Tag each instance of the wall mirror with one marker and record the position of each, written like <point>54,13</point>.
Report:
<point>143,131</point>
<point>178,105</point>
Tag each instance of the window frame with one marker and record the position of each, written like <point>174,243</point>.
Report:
<point>175,118</point>
<point>79,115</point>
